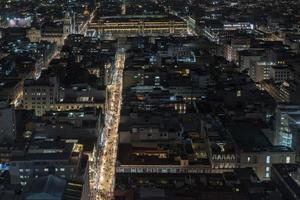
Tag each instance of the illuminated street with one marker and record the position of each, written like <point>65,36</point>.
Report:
<point>103,168</point>
<point>83,26</point>
<point>143,100</point>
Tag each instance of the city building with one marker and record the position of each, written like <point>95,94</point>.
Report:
<point>140,25</point>
<point>52,187</point>
<point>40,95</point>
<point>248,58</point>
<point>7,122</point>
<point>233,26</point>
<point>280,73</point>
<point>236,44</point>
<point>289,91</point>
<point>48,157</point>
<point>286,178</point>
<point>287,126</point>
<point>256,151</point>
<point>260,71</point>
<point>52,32</point>
<point>144,100</point>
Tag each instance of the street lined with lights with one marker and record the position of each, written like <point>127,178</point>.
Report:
<point>105,154</point>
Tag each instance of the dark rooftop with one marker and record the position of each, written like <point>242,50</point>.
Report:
<point>248,137</point>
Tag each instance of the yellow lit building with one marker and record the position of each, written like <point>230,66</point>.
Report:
<point>153,25</point>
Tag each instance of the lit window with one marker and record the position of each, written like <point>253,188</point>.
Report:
<point>23,183</point>
<point>288,159</point>
<point>267,175</point>
<point>268,159</point>
<point>62,169</point>
<point>21,170</point>
<point>46,169</point>
<point>248,159</point>
<point>267,169</point>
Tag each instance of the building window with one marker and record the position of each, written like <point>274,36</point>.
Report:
<point>23,183</point>
<point>248,159</point>
<point>267,169</point>
<point>287,159</point>
<point>62,169</point>
<point>268,159</point>
<point>267,175</point>
<point>46,169</point>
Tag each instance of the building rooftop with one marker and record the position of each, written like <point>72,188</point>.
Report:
<point>137,18</point>
<point>290,175</point>
<point>248,137</point>
<point>47,187</point>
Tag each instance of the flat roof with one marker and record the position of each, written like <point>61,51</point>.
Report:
<point>248,136</point>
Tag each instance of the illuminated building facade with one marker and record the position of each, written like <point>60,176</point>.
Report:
<point>138,26</point>
<point>56,34</point>
<point>40,95</point>
<point>287,125</point>
<point>260,71</point>
<point>233,26</point>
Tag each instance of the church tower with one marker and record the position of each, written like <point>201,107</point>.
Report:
<point>124,7</point>
<point>67,27</point>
